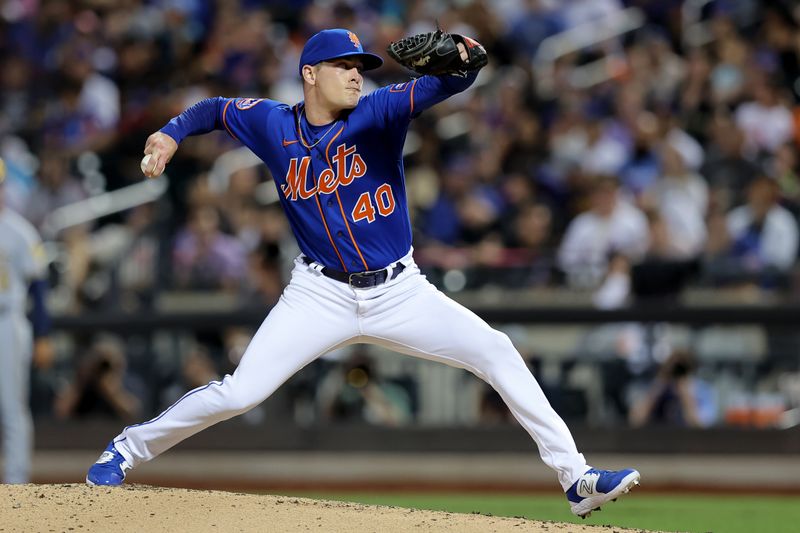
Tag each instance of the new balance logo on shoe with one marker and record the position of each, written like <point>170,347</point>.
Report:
<point>105,457</point>
<point>587,485</point>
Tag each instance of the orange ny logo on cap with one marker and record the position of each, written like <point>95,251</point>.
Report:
<point>354,39</point>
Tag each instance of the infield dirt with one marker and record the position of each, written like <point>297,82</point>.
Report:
<point>143,508</point>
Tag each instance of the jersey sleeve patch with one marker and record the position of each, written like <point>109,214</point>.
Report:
<point>399,87</point>
<point>247,103</point>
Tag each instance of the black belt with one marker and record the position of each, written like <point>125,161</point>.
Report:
<point>360,280</point>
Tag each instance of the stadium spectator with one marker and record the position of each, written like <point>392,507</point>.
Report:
<point>676,396</point>
<point>355,392</point>
<point>611,225</point>
<point>766,120</point>
<point>764,234</point>
<point>101,386</point>
<point>727,169</point>
<point>784,168</point>
<point>98,97</point>
<point>753,244</point>
<point>206,258</point>
<point>16,98</point>
<point>681,198</point>
<point>594,143</point>
<point>537,20</point>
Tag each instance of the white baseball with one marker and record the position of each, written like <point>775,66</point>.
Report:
<point>145,161</point>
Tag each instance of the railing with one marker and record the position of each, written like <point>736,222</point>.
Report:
<point>102,205</point>
<point>578,38</point>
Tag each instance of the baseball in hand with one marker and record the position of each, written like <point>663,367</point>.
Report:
<point>144,163</point>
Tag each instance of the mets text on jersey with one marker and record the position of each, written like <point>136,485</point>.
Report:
<point>297,176</point>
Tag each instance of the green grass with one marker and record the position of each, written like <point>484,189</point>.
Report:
<point>694,513</point>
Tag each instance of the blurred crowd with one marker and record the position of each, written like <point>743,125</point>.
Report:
<point>677,157</point>
<point>627,167</point>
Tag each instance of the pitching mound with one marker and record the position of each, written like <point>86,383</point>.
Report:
<point>138,508</point>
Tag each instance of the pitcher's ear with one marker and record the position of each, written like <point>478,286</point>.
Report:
<point>309,74</point>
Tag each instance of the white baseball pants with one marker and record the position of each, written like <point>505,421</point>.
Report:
<point>316,314</point>
<point>15,413</point>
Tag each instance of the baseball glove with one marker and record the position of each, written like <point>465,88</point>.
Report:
<point>437,52</point>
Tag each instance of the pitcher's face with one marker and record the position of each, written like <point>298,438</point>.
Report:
<point>339,82</point>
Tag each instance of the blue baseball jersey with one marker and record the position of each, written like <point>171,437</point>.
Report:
<point>342,185</point>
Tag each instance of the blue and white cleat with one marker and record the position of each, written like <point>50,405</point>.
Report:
<point>109,469</point>
<point>596,487</point>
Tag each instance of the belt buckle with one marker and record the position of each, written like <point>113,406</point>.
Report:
<point>363,280</point>
<point>353,278</point>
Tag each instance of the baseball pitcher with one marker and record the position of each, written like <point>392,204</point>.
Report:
<point>336,158</point>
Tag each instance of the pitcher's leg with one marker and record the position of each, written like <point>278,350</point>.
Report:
<point>300,328</point>
<point>423,322</point>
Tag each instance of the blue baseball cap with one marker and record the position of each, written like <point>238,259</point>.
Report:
<point>334,44</point>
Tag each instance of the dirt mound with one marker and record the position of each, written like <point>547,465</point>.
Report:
<point>142,508</point>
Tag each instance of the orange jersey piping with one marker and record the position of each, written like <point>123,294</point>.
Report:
<point>319,205</point>
<point>339,199</point>
<point>224,120</point>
